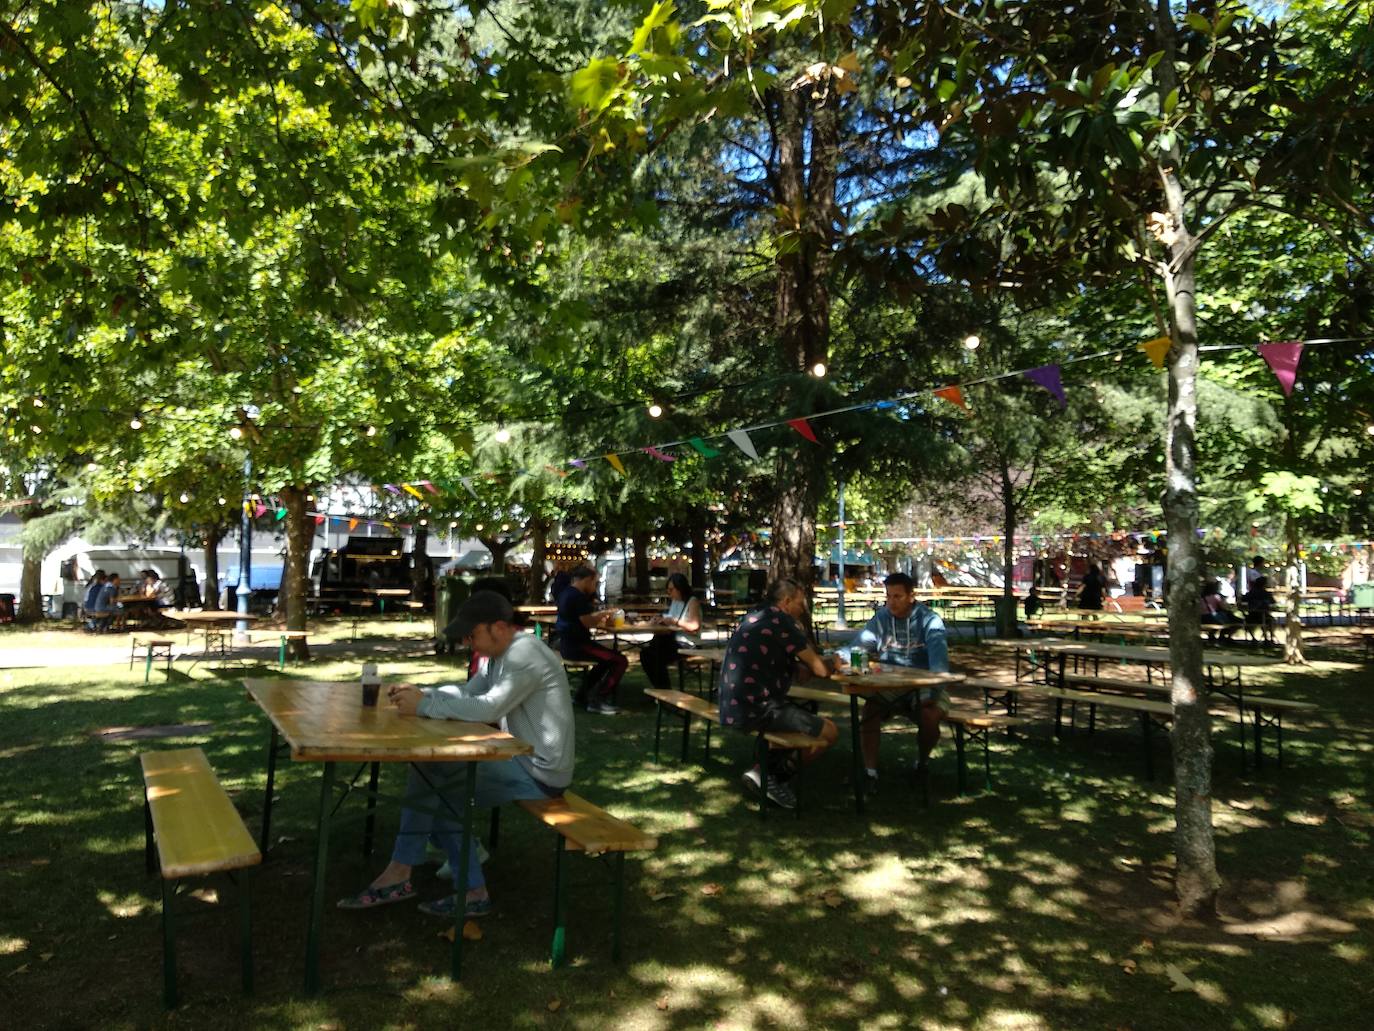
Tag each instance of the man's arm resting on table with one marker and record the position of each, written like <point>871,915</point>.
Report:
<point>812,665</point>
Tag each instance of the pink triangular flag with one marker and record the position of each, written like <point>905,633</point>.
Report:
<point>1047,376</point>
<point>429,486</point>
<point>804,428</point>
<point>953,394</point>
<point>1283,357</point>
<point>259,509</point>
<point>659,454</point>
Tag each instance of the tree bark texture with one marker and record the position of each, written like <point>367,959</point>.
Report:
<point>295,581</point>
<point>539,543</point>
<point>1292,617</point>
<point>209,590</point>
<point>699,565</point>
<point>30,602</point>
<point>1195,877</point>
<point>1006,619</point>
<point>421,572</point>
<point>640,540</point>
<point>499,549</point>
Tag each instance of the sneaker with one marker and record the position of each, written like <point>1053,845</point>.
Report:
<point>444,907</point>
<point>753,782</point>
<point>780,793</point>
<point>602,709</point>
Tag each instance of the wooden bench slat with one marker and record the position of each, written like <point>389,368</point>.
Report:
<point>588,827</point>
<point>694,704</point>
<point>197,827</point>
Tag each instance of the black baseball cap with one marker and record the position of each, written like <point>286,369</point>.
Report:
<point>482,607</point>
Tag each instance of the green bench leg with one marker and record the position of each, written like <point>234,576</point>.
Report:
<point>618,904</point>
<point>959,756</point>
<point>169,957</point>
<point>281,653</point>
<point>658,726</point>
<point>148,665</point>
<point>558,951</point>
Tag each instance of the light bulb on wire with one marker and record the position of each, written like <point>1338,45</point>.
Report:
<point>502,435</point>
<point>971,342</point>
<point>819,370</point>
<point>655,410</point>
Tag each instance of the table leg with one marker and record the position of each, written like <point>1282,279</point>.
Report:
<point>267,798</point>
<point>959,754</point>
<point>312,939</point>
<point>1259,733</point>
<point>855,742</point>
<point>465,853</point>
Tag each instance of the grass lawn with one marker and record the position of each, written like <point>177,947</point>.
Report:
<point>1041,903</point>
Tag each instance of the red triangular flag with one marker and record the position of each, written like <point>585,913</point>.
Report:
<point>1283,357</point>
<point>954,394</point>
<point>804,428</point>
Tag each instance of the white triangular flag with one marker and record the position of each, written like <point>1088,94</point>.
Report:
<point>467,482</point>
<point>742,441</point>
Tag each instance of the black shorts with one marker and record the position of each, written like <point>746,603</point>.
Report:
<point>786,718</point>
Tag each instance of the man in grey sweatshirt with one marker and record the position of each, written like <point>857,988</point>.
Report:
<point>525,690</point>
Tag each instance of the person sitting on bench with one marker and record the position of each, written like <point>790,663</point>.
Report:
<point>524,689</point>
<point>684,612</point>
<point>904,633</point>
<point>761,658</point>
<point>577,614</point>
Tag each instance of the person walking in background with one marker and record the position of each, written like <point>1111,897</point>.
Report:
<point>577,614</point>
<point>684,612</point>
<point>92,599</point>
<point>1090,593</point>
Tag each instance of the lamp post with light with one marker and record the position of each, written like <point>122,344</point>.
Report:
<point>243,590</point>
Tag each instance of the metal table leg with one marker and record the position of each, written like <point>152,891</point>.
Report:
<point>461,891</point>
<point>271,781</point>
<point>858,758</point>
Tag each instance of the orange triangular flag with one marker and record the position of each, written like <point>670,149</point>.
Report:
<point>953,394</point>
<point>353,524</point>
<point>1157,349</point>
<point>616,464</point>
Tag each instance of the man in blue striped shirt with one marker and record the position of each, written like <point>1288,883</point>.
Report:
<point>904,633</point>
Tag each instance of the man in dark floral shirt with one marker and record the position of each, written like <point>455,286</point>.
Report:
<point>761,659</point>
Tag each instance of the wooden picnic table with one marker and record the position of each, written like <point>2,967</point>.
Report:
<point>1155,659</point>
<point>383,593</point>
<point>866,685</point>
<point>327,723</point>
<point>212,622</point>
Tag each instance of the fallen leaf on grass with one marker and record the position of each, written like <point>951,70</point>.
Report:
<point>472,932</point>
<point>1181,981</point>
<point>873,950</point>
<point>662,1002</point>
<point>711,889</point>
<point>659,896</point>
<point>45,956</point>
<point>834,900</point>
<point>1128,966</point>
<point>554,1005</point>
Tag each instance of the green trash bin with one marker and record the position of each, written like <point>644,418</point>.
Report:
<point>449,593</point>
<point>1363,596</point>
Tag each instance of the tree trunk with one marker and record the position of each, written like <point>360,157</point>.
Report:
<point>421,572</point>
<point>539,533</point>
<point>805,184</point>
<point>1292,620</point>
<point>1006,619</point>
<point>1195,877</point>
<point>699,565</point>
<point>30,602</point>
<point>209,590</point>
<point>499,549</point>
<point>640,540</point>
<point>295,580</point>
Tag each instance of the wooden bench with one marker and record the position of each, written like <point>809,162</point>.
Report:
<point>157,648</point>
<point>581,826</point>
<point>197,832</point>
<point>1151,713</point>
<point>689,705</point>
<point>698,662</point>
<point>969,725</point>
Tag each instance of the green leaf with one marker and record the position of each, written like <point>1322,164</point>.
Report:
<point>595,86</point>
<point>1171,101</point>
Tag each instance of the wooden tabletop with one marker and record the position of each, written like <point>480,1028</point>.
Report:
<point>538,610</point>
<point>388,592</point>
<point>1131,652</point>
<point>892,678</point>
<point>325,722</point>
<point>211,618</point>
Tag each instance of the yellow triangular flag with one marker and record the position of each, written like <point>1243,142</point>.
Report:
<point>616,464</point>
<point>411,490</point>
<point>1157,349</point>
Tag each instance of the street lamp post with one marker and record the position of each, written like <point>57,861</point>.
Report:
<point>245,553</point>
<point>839,590</point>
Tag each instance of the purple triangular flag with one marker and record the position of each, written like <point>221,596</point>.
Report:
<point>1283,357</point>
<point>1047,376</point>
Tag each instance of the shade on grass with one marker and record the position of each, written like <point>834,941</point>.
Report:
<point>1044,903</point>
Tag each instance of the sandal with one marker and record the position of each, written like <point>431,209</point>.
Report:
<point>369,898</point>
<point>444,907</point>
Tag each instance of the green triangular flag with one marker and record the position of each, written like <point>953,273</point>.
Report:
<point>705,449</point>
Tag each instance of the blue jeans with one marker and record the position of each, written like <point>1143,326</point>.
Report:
<point>497,783</point>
